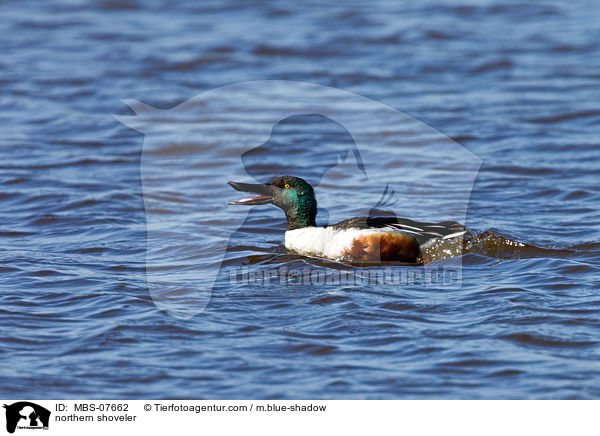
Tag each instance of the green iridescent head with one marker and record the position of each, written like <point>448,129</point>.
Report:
<point>292,194</point>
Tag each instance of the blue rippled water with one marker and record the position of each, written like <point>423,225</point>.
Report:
<point>516,83</point>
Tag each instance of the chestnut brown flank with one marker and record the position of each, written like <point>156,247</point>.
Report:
<point>384,247</point>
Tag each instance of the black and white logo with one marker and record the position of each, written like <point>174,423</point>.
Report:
<point>26,415</point>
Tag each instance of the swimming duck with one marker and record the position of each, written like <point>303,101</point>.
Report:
<point>360,239</point>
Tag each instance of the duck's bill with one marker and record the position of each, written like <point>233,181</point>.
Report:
<point>264,190</point>
<point>261,199</point>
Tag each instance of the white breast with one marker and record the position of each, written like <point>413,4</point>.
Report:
<point>324,241</point>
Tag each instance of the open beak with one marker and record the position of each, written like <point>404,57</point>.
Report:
<point>265,191</point>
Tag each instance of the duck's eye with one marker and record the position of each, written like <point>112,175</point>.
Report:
<point>287,186</point>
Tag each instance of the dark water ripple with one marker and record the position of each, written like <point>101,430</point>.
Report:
<point>514,82</point>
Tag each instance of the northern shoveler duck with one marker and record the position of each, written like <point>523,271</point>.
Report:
<point>361,239</point>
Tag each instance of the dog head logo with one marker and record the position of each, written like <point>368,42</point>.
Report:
<point>187,157</point>
<point>26,415</point>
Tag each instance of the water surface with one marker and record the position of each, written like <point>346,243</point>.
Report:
<point>516,83</point>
